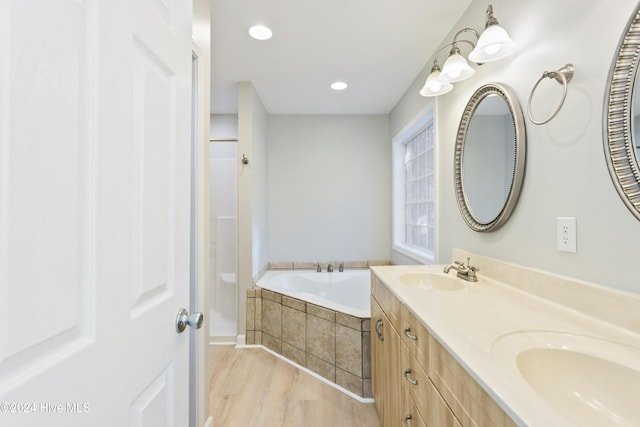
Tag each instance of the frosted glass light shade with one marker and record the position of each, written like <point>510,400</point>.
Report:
<point>433,86</point>
<point>455,69</point>
<point>494,44</point>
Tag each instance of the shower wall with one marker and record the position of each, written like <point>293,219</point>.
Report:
<point>223,166</point>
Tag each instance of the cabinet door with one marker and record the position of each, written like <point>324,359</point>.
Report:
<point>386,366</point>
<point>377,358</point>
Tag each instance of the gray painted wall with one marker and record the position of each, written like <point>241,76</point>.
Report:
<point>566,172</point>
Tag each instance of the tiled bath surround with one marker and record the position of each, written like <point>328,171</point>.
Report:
<point>332,344</point>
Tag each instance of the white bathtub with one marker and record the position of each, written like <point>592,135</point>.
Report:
<point>348,291</point>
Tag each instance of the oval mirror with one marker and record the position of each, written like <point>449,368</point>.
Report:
<point>489,157</point>
<point>622,118</point>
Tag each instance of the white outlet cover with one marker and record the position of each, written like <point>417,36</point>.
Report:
<point>567,235</point>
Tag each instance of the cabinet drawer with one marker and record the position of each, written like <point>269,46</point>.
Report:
<point>415,336</point>
<point>416,379</point>
<point>388,302</point>
<point>424,396</point>
<point>458,387</point>
<point>410,415</point>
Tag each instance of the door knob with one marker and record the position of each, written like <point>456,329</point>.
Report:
<point>183,319</point>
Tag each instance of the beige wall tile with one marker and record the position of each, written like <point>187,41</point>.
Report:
<point>271,296</point>
<point>349,350</point>
<point>272,343</point>
<point>366,388</point>
<point>294,354</point>
<point>366,355</point>
<point>366,325</point>
<point>251,293</point>
<point>307,266</point>
<point>251,314</point>
<point>356,264</point>
<point>349,381</point>
<point>322,368</point>
<point>272,318</point>
<point>294,303</point>
<point>258,337</point>
<point>251,337</point>
<point>350,321</point>
<point>280,266</point>
<point>258,316</point>
<point>322,312</point>
<point>294,327</point>
<point>321,338</point>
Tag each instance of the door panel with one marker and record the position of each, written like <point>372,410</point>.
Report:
<point>94,212</point>
<point>45,184</point>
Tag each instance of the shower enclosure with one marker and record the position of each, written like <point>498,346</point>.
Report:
<point>224,289</point>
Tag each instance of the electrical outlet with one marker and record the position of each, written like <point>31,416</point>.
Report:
<point>566,234</point>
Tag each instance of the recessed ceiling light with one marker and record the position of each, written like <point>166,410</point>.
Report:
<point>338,86</point>
<point>260,32</point>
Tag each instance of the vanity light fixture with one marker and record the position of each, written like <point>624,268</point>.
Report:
<point>260,32</point>
<point>433,86</point>
<point>493,44</point>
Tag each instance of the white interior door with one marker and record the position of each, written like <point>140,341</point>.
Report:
<point>94,212</point>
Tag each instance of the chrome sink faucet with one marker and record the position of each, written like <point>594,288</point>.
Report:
<point>465,272</point>
<point>330,268</point>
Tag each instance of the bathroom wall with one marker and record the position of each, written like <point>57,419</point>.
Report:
<point>329,187</point>
<point>566,172</point>
<point>253,253</point>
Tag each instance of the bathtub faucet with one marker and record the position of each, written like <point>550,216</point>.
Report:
<point>319,269</point>
<point>329,268</point>
<point>341,267</point>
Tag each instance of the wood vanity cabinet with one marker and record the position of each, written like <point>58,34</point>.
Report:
<point>415,381</point>
<point>385,362</point>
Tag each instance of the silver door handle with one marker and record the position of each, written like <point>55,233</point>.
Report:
<point>183,319</point>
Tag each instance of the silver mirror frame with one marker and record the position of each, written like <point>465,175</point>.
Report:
<point>618,126</point>
<point>519,159</point>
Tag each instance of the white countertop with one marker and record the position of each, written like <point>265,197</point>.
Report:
<point>478,324</point>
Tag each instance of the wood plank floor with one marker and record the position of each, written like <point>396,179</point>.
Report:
<point>252,388</point>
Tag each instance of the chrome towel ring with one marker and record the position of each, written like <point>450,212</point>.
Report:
<point>563,76</point>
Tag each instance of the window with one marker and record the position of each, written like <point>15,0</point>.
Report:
<point>415,190</point>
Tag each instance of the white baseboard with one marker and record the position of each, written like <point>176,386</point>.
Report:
<point>242,340</point>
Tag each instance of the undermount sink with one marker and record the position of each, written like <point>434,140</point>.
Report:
<point>590,381</point>
<point>588,389</point>
<point>433,280</point>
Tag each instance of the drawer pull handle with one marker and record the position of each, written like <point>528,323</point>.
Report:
<point>406,420</point>
<point>407,332</point>
<point>379,325</point>
<point>408,378</point>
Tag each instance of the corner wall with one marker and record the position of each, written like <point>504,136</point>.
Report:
<point>566,172</point>
<point>252,194</point>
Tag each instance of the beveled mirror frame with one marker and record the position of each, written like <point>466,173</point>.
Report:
<point>618,126</point>
<point>519,158</point>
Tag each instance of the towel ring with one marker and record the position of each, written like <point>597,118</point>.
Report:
<point>563,76</point>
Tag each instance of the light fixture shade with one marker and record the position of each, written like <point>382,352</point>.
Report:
<point>494,44</point>
<point>433,86</point>
<point>455,69</point>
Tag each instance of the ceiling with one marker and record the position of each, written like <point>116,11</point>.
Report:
<point>378,47</point>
